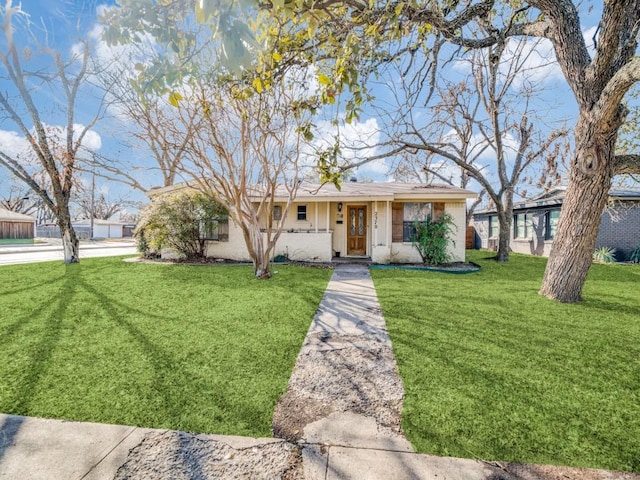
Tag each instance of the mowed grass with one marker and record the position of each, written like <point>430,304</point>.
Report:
<point>194,348</point>
<point>494,371</point>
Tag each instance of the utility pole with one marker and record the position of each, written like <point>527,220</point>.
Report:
<point>93,194</point>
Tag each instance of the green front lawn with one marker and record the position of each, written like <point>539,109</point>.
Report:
<point>494,371</point>
<point>195,348</point>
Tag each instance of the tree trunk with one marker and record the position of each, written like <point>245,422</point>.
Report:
<point>503,239</point>
<point>585,200</point>
<point>70,244</point>
<point>256,249</point>
<point>505,221</point>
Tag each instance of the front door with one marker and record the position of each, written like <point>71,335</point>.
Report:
<point>357,231</point>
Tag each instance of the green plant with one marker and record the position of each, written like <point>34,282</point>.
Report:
<point>431,238</point>
<point>604,255</point>
<point>634,256</point>
<point>143,244</point>
<point>179,222</point>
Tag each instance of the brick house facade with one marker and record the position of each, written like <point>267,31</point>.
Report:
<point>535,223</point>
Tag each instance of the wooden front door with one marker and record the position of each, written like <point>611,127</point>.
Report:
<point>357,230</point>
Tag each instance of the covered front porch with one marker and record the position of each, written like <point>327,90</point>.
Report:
<point>337,231</point>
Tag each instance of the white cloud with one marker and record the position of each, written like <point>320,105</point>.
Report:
<point>12,144</point>
<point>358,141</point>
<point>16,145</point>
<point>92,139</point>
<point>486,155</point>
<point>529,61</point>
<point>536,61</point>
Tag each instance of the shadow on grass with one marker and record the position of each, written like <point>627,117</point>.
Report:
<point>161,361</point>
<point>42,352</point>
<point>31,287</point>
<point>40,360</point>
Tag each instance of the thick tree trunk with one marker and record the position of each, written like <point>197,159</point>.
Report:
<point>585,200</point>
<point>70,244</point>
<point>256,248</point>
<point>505,221</point>
<point>504,236</point>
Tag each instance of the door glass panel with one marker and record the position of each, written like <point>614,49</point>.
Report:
<point>352,220</point>
<point>361,221</point>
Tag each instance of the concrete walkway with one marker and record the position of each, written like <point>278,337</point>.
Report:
<point>342,440</point>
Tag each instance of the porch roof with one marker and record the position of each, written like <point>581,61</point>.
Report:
<point>355,191</point>
<point>388,191</point>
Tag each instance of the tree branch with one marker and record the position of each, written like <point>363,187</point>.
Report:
<point>628,164</point>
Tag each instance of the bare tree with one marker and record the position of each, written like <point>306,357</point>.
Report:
<point>153,122</point>
<point>101,207</point>
<point>244,154</point>
<point>53,150</point>
<point>426,167</point>
<point>481,128</point>
<point>17,199</point>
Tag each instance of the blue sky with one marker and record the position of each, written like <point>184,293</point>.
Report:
<point>63,29</point>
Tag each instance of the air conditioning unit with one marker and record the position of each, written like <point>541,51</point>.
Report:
<point>492,244</point>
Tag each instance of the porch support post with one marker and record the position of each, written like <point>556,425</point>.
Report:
<point>375,223</point>
<point>317,205</point>
<point>389,224</point>
<point>328,216</point>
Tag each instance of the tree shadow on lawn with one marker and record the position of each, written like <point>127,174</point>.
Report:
<point>161,360</point>
<point>31,287</point>
<point>40,360</point>
<point>607,303</point>
<point>41,355</point>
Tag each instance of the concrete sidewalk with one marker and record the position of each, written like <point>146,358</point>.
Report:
<point>42,449</point>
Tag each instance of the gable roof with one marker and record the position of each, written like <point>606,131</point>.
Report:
<point>356,191</point>
<point>379,191</point>
<point>9,216</point>
<point>555,197</point>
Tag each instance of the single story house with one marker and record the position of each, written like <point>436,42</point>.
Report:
<point>361,220</point>
<point>16,227</point>
<point>105,228</point>
<point>535,223</point>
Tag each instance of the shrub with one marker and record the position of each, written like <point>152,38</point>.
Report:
<point>431,239</point>
<point>634,256</point>
<point>604,255</point>
<point>177,221</point>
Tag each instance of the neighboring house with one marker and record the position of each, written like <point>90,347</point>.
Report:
<point>362,220</point>
<point>535,223</point>
<point>16,227</point>
<point>105,228</point>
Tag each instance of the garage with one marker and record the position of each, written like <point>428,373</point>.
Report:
<point>16,227</point>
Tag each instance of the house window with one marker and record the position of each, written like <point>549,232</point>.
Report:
<point>302,212</point>
<point>404,215</point>
<point>551,224</point>
<point>216,228</point>
<point>494,226</point>
<point>277,212</point>
<point>522,225</point>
